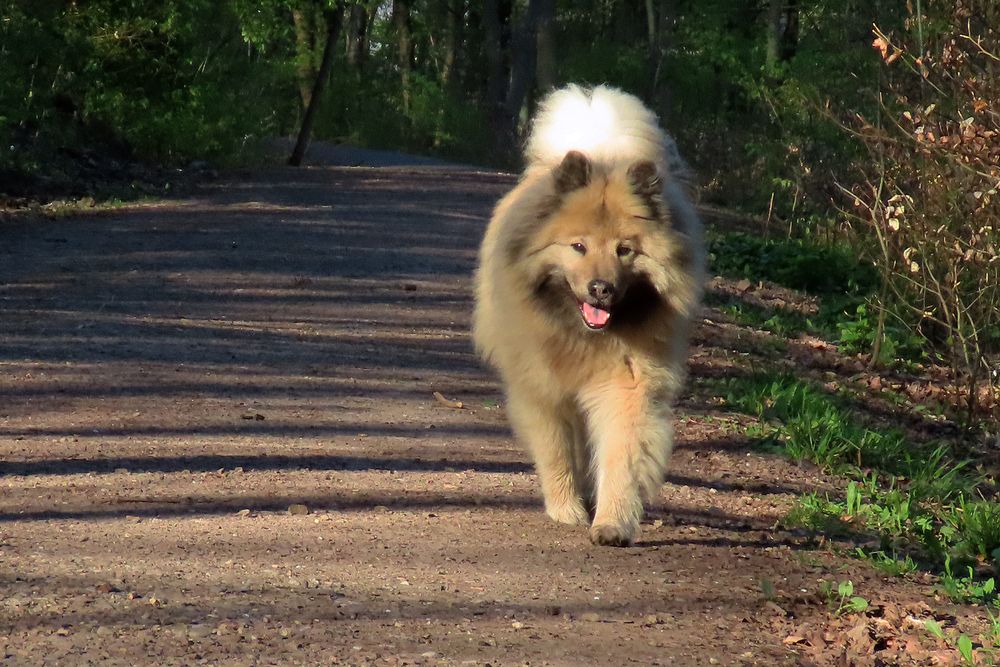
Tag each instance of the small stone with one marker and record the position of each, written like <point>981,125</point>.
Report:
<point>590,617</point>
<point>63,631</point>
<point>199,631</point>
<point>104,631</point>
<point>657,523</point>
<point>428,654</point>
<point>298,509</point>
<point>244,512</point>
<point>517,625</point>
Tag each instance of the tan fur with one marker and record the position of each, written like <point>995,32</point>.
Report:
<point>593,407</point>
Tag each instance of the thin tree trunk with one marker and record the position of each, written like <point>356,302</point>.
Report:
<point>454,13</point>
<point>523,57</point>
<point>545,69</point>
<point>661,32</point>
<point>304,45</point>
<point>497,77</point>
<point>404,39</point>
<point>334,18</point>
<point>357,36</point>
<point>782,31</point>
<point>512,70</point>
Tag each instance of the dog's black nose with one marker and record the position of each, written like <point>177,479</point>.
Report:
<point>601,290</point>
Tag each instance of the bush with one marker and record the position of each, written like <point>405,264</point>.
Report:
<point>929,200</point>
<point>795,263</point>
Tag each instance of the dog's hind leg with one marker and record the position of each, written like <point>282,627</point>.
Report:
<point>632,438</point>
<point>551,436</point>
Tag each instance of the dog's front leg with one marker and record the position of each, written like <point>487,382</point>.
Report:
<point>632,438</point>
<point>551,436</point>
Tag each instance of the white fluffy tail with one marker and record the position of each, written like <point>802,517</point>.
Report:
<point>608,125</point>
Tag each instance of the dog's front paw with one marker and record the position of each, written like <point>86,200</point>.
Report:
<point>612,535</point>
<point>572,513</point>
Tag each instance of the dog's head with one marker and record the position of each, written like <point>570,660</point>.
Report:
<point>603,239</point>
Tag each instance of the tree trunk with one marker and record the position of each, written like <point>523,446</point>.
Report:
<point>659,29</point>
<point>357,36</point>
<point>334,18</point>
<point>305,44</point>
<point>404,39</point>
<point>545,69</point>
<point>523,59</point>
<point>496,21</point>
<point>511,58</point>
<point>782,31</point>
<point>454,13</point>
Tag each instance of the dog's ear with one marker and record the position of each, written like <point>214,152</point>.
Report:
<point>645,179</point>
<point>572,173</point>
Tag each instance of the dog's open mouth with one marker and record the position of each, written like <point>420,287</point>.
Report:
<point>594,317</point>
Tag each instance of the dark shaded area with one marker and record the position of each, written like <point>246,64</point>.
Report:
<point>193,505</point>
<point>210,463</point>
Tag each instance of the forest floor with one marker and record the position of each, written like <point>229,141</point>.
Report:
<point>220,444</point>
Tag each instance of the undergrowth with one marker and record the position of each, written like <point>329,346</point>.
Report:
<point>912,505</point>
<point>845,284</point>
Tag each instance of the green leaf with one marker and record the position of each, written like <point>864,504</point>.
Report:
<point>965,649</point>
<point>858,604</point>
<point>845,588</point>
<point>934,628</point>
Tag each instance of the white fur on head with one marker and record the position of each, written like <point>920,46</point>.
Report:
<point>608,125</point>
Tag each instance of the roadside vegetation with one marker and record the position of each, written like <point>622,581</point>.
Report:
<point>917,481</point>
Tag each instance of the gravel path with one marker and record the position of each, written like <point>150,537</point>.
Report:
<point>219,445</point>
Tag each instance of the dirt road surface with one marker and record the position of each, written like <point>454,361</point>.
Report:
<point>219,445</point>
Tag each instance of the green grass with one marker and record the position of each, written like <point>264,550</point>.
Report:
<point>914,500</point>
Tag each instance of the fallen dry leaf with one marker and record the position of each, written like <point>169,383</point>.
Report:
<point>455,405</point>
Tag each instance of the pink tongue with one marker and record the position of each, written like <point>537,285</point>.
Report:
<point>595,317</point>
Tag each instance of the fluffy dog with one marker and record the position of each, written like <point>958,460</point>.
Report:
<point>589,274</point>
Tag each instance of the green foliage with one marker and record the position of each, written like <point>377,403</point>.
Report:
<point>857,334</point>
<point>842,599</point>
<point>964,646</point>
<point>893,563</point>
<point>912,498</point>
<point>800,264</point>
<point>967,587</point>
<point>978,523</point>
<point>157,79</point>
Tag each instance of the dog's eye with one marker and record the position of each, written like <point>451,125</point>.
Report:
<point>624,250</point>
<point>579,247</point>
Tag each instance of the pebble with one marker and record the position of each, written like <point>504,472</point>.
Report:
<point>591,617</point>
<point>298,509</point>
